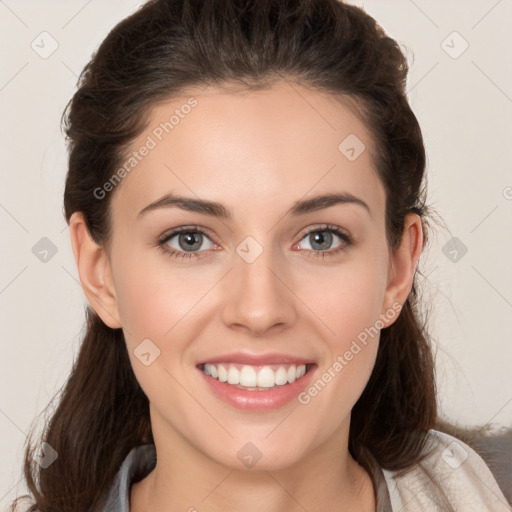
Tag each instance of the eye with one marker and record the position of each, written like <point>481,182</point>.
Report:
<point>185,241</point>
<point>321,239</point>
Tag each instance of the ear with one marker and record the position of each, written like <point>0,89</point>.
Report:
<point>403,262</point>
<point>94,271</point>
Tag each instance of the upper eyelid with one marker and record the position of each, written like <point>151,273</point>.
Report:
<point>324,227</point>
<point>184,229</point>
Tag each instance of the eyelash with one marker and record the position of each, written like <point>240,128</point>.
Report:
<point>345,237</point>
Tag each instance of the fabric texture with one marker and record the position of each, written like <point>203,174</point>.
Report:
<point>451,477</point>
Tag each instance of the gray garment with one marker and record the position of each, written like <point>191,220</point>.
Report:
<point>450,477</point>
<point>138,463</point>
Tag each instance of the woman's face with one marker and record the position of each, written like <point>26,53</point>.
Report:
<point>276,278</point>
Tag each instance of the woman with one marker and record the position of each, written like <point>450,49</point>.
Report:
<point>247,209</point>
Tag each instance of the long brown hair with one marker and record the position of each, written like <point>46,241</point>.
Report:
<point>153,55</point>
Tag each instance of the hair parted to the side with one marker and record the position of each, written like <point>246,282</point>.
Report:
<point>153,55</point>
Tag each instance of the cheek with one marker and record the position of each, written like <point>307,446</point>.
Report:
<point>347,301</point>
<point>158,307</point>
<point>151,300</point>
<point>348,297</point>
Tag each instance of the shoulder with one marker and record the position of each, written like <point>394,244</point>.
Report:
<point>450,476</point>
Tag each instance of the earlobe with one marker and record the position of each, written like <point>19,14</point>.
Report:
<point>94,271</point>
<point>403,262</point>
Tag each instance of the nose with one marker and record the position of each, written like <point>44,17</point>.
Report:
<point>259,298</point>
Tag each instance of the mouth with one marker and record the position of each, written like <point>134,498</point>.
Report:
<point>256,378</point>
<point>256,383</point>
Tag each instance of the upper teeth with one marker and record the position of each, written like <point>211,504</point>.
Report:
<point>255,376</point>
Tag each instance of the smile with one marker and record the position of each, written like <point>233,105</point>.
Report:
<point>256,383</point>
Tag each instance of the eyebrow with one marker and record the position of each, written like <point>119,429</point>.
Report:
<point>215,209</point>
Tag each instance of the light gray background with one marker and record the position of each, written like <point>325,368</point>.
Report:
<point>464,105</point>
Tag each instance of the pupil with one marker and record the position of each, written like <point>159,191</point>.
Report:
<point>190,241</point>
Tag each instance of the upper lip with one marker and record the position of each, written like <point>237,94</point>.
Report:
<point>256,359</point>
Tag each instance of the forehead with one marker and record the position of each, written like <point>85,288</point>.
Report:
<point>254,149</point>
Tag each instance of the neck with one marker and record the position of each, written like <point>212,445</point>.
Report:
<point>184,479</point>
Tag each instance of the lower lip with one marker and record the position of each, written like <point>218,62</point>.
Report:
<point>258,400</point>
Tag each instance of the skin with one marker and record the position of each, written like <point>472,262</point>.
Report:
<point>257,153</point>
